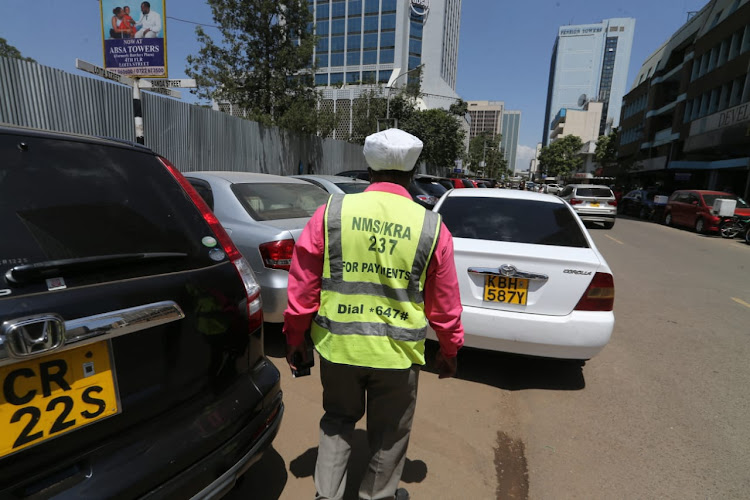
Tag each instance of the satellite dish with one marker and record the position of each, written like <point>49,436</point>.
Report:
<point>582,100</point>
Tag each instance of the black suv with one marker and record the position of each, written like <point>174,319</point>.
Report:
<point>131,331</point>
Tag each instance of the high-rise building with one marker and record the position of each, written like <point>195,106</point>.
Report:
<point>590,63</point>
<point>366,42</point>
<point>510,131</point>
<point>486,116</point>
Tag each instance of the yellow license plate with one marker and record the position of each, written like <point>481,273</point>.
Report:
<point>506,290</point>
<point>593,204</point>
<point>49,396</point>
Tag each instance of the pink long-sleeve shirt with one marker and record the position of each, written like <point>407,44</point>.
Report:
<point>441,297</point>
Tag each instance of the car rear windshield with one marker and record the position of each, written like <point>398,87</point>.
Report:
<point>282,200</point>
<point>594,192</point>
<point>352,187</point>
<point>519,221</point>
<point>62,200</point>
<point>711,198</point>
<point>430,187</point>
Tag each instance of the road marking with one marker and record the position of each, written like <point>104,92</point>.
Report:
<point>614,239</point>
<point>740,301</point>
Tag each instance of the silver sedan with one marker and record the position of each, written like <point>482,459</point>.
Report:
<point>335,184</point>
<point>264,215</point>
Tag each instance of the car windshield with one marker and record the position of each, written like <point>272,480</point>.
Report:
<point>431,187</point>
<point>711,198</point>
<point>519,221</point>
<point>594,192</point>
<point>352,187</point>
<point>273,201</point>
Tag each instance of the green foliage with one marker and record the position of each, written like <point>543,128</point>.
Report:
<point>366,111</point>
<point>485,148</point>
<point>561,157</point>
<point>606,149</point>
<point>441,133</point>
<point>260,62</point>
<point>459,108</point>
<point>8,50</point>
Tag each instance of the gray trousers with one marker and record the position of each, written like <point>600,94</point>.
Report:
<point>389,397</point>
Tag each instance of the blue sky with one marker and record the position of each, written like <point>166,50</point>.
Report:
<point>504,48</point>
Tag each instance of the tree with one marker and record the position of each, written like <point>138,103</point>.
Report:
<point>441,134</point>
<point>561,157</point>
<point>262,61</point>
<point>367,109</point>
<point>485,149</point>
<point>606,149</point>
<point>7,50</point>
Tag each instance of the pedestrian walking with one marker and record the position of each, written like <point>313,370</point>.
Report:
<point>369,272</point>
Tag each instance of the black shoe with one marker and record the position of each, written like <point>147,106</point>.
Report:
<point>402,494</point>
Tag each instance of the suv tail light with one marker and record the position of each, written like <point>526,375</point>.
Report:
<point>252,289</point>
<point>574,201</point>
<point>613,203</point>
<point>277,254</point>
<point>430,200</point>
<point>600,294</point>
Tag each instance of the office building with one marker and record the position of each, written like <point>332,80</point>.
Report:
<point>589,63</point>
<point>511,127</point>
<point>686,119</point>
<point>486,116</point>
<point>362,43</point>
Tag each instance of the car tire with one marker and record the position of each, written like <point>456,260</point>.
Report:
<point>747,234</point>
<point>700,226</point>
<point>668,219</point>
<point>609,225</point>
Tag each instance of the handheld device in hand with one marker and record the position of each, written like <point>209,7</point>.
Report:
<point>303,367</point>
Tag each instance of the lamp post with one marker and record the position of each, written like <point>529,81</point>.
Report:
<point>388,95</point>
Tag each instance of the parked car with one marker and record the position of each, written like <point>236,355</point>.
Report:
<point>639,202</point>
<point>531,278</point>
<point>356,174</point>
<point>426,190</point>
<point>131,333</point>
<point>461,183</point>
<point>552,188</point>
<point>335,184</point>
<point>264,214</point>
<point>592,203</point>
<point>692,208</point>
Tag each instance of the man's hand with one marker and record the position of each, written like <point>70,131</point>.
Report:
<point>291,350</point>
<point>446,367</point>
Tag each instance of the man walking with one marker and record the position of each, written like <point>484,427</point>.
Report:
<point>369,272</point>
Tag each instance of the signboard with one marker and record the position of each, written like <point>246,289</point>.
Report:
<point>723,119</point>
<point>134,39</point>
<point>109,75</point>
<point>420,7</point>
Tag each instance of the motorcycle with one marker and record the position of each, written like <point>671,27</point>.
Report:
<point>731,227</point>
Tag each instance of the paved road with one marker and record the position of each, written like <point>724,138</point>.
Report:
<point>662,412</point>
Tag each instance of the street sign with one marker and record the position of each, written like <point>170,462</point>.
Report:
<point>104,73</point>
<point>151,84</point>
<point>164,91</point>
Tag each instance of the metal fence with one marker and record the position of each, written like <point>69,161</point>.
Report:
<point>191,136</point>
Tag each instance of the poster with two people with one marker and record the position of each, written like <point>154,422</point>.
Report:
<point>134,36</point>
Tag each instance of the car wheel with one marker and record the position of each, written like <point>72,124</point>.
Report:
<point>668,219</point>
<point>700,226</point>
<point>747,234</point>
<point>609,225</point>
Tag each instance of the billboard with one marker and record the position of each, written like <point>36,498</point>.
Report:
<point>134,36</point>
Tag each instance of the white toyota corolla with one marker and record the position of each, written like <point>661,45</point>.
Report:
<point>531,278</point>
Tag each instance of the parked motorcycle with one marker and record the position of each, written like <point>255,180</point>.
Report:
<point>731,227</point>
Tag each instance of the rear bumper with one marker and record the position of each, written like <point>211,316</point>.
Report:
<point>579,335</point>
<point>597,216</point>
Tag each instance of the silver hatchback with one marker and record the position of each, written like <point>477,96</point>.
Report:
<point>592,203</point>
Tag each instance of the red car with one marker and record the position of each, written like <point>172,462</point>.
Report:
<point>692,208</point>
<point>462,183</point>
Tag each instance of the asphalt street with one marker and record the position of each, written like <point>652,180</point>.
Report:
<point>662,412</point>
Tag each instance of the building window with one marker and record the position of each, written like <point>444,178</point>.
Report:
<point>737,86</point>
<point>321,28</point>
<point>370,57</point>
<point>726,91</point>
<point>723,52</point>
<point>387,40</point>
<point>734,47</point>
<point>415,29</point>
<point>352,77</point>
<point>322,45</point>
<point>713,104</point>
<point>337,78</point>
<point>716,19</point>
<point>371,24</point>
<point>322,11</point>
<point>355,7</point>
<point>415,47</point>
<point>338,9</point>
<point>353,42</point>
<point>368,77</point>
<point>372,6</point>
<point>355,25</point>
<point>688,111</point>
<point>388,22</point>
<point>338,27</point>
<point>746,40</point>
<point>384,76</point>
<point>337,59</point>
<point>353,58</point>
<point>321,79</point>
<point>321,60</point>
<point>370,41</point>
<point>386,56</point>
<point>389,5</point>
<point>414,61</point>
<point>714,56</point>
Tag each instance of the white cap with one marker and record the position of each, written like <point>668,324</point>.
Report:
<point>392,149</point>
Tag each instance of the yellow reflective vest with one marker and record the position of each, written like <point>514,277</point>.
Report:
<point>377,249</point>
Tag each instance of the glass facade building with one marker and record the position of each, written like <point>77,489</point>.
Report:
<point>509,140</point>
<point>590,63</point>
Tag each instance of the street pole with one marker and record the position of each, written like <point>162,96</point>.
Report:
<point>138,113</point>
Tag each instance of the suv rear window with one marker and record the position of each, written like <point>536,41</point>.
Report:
<point>282,200</point>
<point>711,198</point>
<point>519,221</point>
<point>597,192</point>
<point>431,187</point>
<point>61,199</point>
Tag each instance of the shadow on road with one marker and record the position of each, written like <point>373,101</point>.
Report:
<point>415,471</point>
<point>513,372</point>
<point>265,480</point>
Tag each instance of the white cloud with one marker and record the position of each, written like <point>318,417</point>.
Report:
<point>523,155</point>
